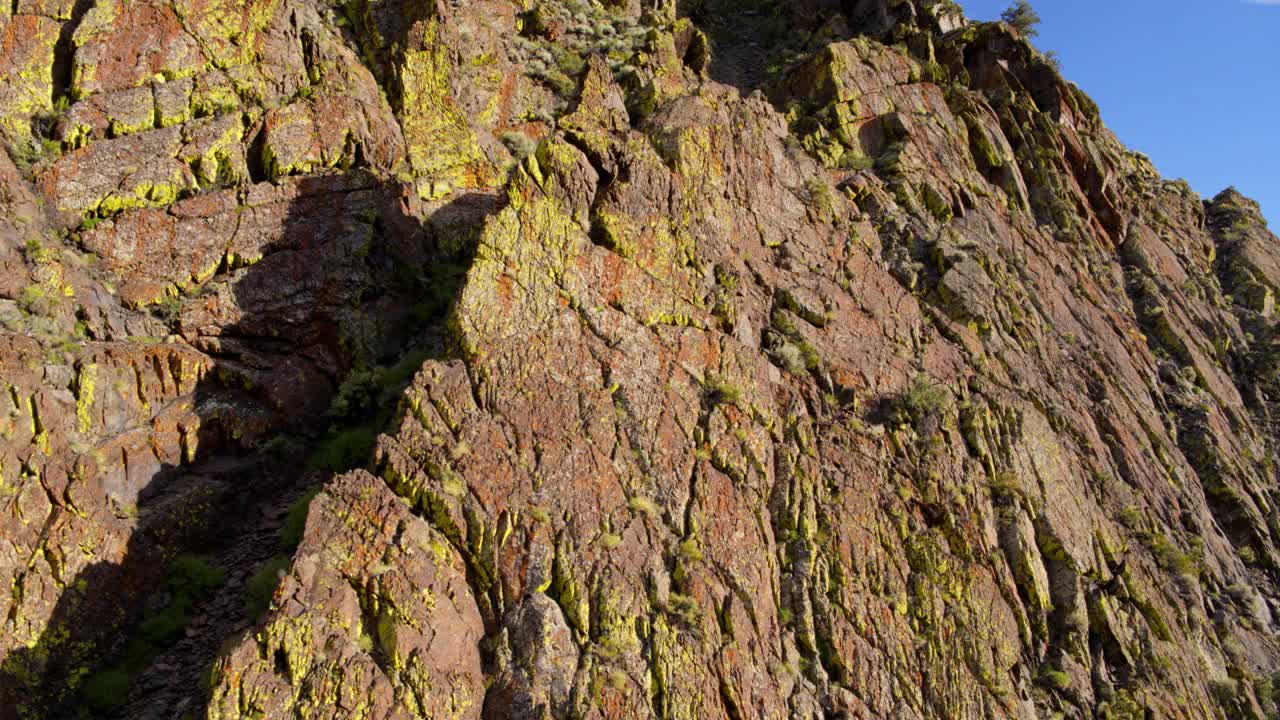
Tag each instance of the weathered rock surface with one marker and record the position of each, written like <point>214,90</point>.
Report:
<point>730,360</point>
<point>375,620</point>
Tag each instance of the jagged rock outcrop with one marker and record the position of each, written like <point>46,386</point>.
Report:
<point>375,620</point>
<point>729,360</point>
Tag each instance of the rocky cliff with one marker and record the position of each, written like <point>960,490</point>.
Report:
<point>615,359</point>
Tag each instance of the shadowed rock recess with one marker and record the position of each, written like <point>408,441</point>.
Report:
<point>636,358</point>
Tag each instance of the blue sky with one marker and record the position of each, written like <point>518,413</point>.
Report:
<point>1194,84</point>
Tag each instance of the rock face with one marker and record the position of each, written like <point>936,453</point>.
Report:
<point>724,360</point>
<point>375,619</point>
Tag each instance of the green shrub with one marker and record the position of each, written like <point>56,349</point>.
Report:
<point>194,576</point>
<point>1131,517</point>
<point>792,359</point>
<point>1262,690</point>
<point>561,84</point>
<point>922,399</point>
<point>1122,707</point>
<point>569,62</point>
<point>106,691</point>
<point>1224,690</point>
<point>29,153</point>
<point>35,251</point>
<point>1055,679</point>
<point>295,520</point>
<point>1170,557</point>
<point>35,300</point>
<point>642,505</point>
<point>169,308</point>
<point>1006,489</point>
<point>371,394</point>
<point>343,450</point>
<point>261,588</point>
<point>395,378</point>
<point>820,197</point>
<point>356,395</point>
<point>443,286</point>
<point>684,608</point>
<point>165,627</point>
<point>722,391</point>
<point>851,160</point>
<point>189,579</point>
<point>690,550</point>
<point>520,145</point>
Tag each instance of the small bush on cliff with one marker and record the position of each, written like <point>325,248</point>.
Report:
<point>169,308</point>
<point>295,520</point>
<point>1131,517</point>
<point>36,252</point>
<point>722,391</point>
<point>194,576</point>
<point>855,160</point>
<point>519,145</point>
<point>440,293</point>
<point>35,300</point>
<point>1263,691</point>
<point>356,395</point>
<point>1022,17</point>
<point>1248,555</point>
<point>792,359</point>
<point>821,199</point>
<point>343,450</point>
<point>1224,691</point>
<point>922,399</point>
<point>27,154</point>
<point>261,588</point>
<point>364,404</point>
<point>190,579</point>
<point>1055,679</point>
<point>643,505</point>
<point>107,691</point>
<point>1171,558</point>
<point>1122,707</point>
<point>1006,489</point>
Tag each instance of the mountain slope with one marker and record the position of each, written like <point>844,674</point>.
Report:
<point>725,360</point>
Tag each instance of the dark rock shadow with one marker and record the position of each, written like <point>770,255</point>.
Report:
<point>741,34</point>
<point>749,37</point>
<point>755,44</point>
<point>348,299</point>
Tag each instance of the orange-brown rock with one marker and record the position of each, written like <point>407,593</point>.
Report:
<point>698,360</point>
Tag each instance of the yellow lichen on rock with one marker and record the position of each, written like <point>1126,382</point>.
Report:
<point>442,148</point>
